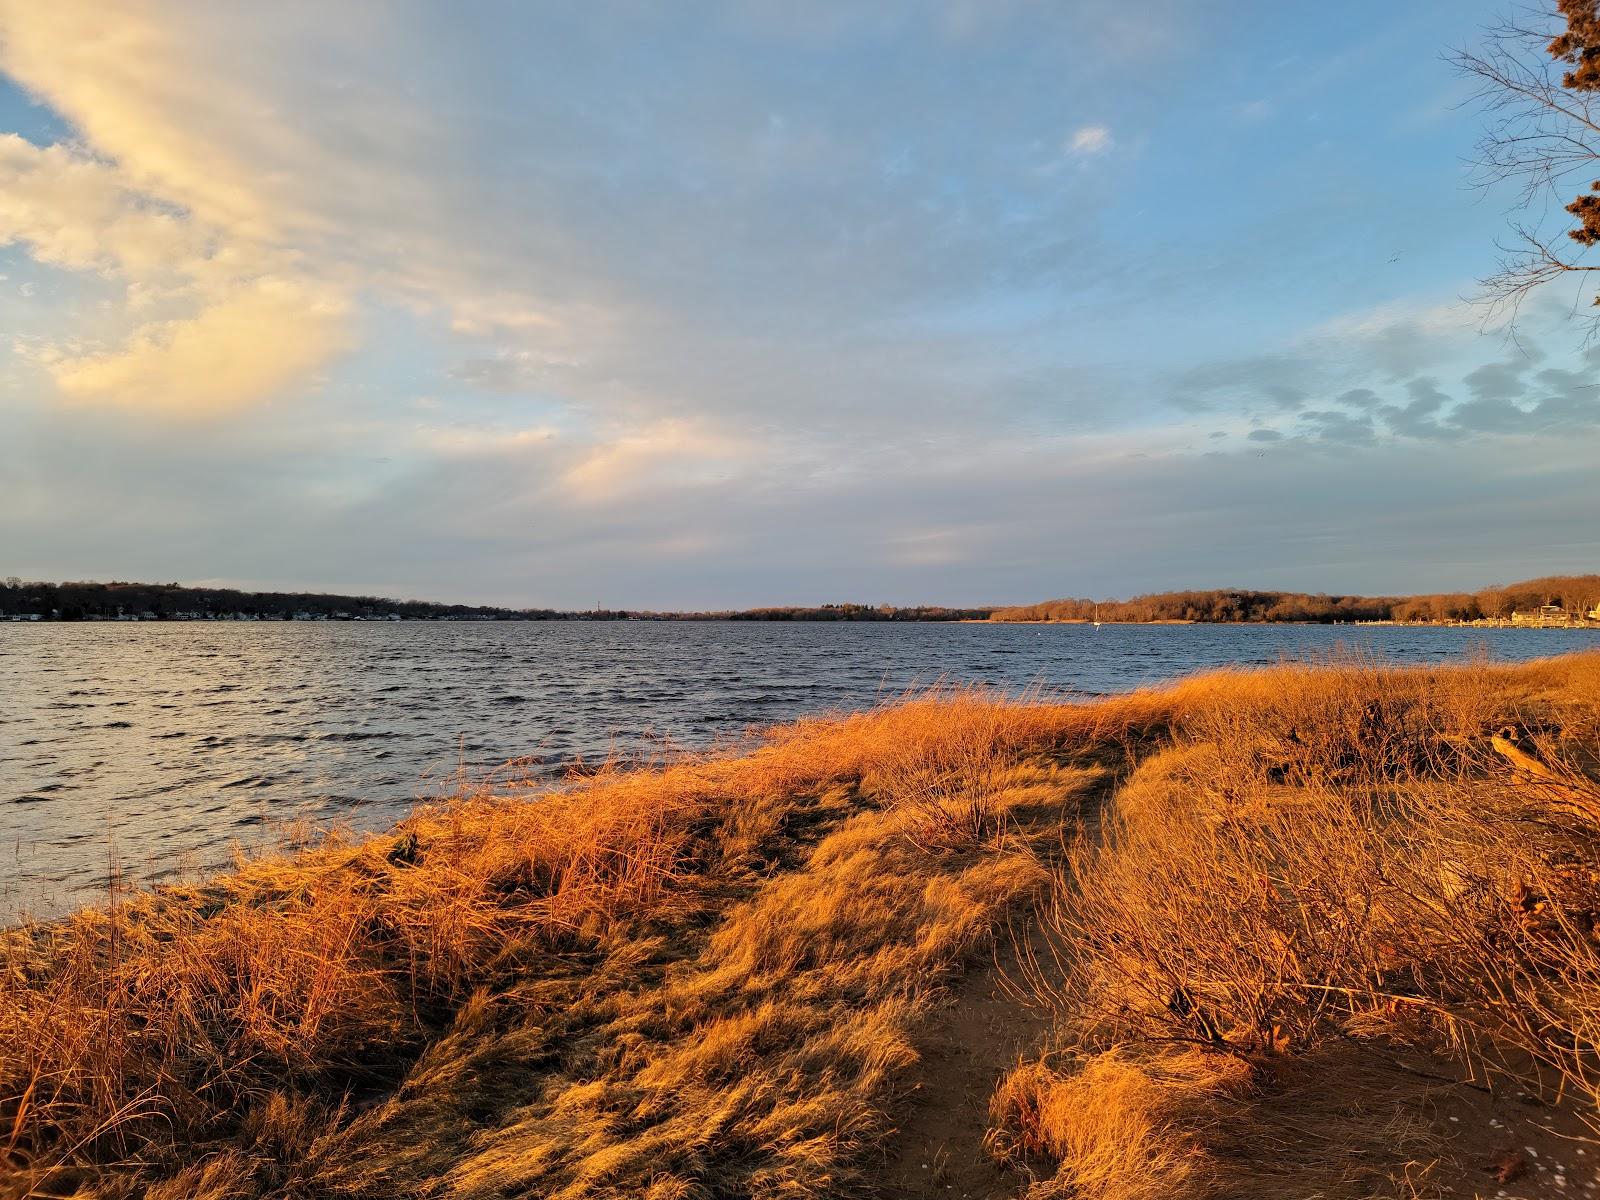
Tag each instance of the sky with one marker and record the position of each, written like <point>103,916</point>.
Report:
<point>721,305</point>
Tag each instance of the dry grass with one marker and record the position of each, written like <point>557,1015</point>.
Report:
<point>1170,1123</point>
<point>652,982</point>
<point>1124,1130</point>
<point>1324,857</point>
<point>709,978</point>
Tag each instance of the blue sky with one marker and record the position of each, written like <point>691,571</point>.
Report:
<point>732,304</point>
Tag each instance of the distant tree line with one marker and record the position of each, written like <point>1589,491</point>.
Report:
<point>862,612</point>
<point>1574,593</point>
<point>1217,605</point>
<point>88,601</point>
<point>105,601</point>
<point>91,601</point>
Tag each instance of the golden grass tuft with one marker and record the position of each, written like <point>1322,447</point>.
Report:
<point>1175,1123</point>
<point>1121,1129</point>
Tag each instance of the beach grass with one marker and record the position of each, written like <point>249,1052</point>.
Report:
<point>1215,912</point>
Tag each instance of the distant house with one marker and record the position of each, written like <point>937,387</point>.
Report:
<point>1542,617</point>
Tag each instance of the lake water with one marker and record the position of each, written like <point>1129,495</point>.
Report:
<point>162,745</point>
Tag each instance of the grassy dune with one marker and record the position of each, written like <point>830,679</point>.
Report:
<point>1256,934</point>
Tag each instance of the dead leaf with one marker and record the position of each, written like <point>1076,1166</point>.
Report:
<point>1507,1165</point>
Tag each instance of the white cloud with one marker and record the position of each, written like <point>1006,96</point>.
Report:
<point>637,260</point>
<point>831,328</point>
<point>242,348</point>
<point>663,453</point>
<point>137,80</point>
<point>75,211</point>
<point>1445,318</point>
<point>1090,140</point>
<point>463,441</point>
<point>931,548</point>
<point>212,320</point>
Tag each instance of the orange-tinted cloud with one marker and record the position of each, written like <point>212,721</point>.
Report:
<point>236,351</point>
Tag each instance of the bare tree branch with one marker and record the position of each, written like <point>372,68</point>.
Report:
<point>1542,136</point>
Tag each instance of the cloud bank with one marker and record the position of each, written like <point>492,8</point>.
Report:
<point>745,304</point>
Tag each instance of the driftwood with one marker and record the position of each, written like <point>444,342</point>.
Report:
<point>1568,789</point>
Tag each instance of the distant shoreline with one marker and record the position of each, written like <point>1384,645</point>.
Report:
<point>1554,601</point>
<point>1551,601</point>
<point>740,619</point>
<point>1088,621</point>
<point>130,602</point>
<point>1484,624</point>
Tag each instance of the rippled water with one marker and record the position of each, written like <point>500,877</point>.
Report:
<point>163,744</point>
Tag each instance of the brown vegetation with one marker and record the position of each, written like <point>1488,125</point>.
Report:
<point>92,601</point>
<point>1324,875</point>
<point>714,978</point>
<point>1576,593</point>
<point>653,983</point>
